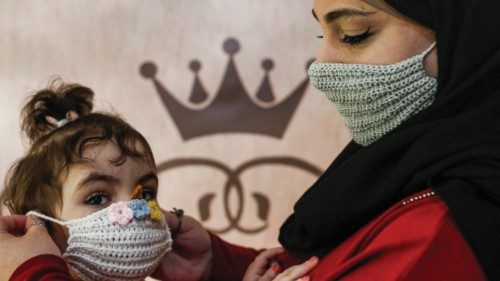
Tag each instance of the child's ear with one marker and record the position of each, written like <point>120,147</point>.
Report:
<point>60,236</point>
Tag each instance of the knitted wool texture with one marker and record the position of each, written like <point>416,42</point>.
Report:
<point>100,249</point>
<point>375,99</point>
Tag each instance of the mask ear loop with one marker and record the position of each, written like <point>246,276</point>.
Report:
<point>424,55</point>
<point>428,50</point>
<point>37,214</point>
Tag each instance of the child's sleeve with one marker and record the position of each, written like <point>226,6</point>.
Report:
<point>229,261</point>
<point>42,268</point>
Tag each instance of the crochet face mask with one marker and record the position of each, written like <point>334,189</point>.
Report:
<point>125,241</point>
<point>375,99</point>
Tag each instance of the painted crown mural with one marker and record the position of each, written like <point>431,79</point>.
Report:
<point>232,110</point>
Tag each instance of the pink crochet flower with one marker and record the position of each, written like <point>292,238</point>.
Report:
<point>120,213</point>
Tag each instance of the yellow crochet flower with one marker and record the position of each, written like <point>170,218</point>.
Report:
<point>156,213</point>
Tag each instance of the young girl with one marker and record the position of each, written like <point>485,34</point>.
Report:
<point>94,177</point>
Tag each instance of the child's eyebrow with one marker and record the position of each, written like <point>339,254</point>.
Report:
<point>92,177</point>
<point>149,176</point>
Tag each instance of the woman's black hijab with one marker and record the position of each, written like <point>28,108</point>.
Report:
<point>452,147</point>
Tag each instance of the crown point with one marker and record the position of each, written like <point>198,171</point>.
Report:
<point>148,70</point>
<point>267,65</point>
<point>231,46</point>
<point>309,62</point>
<point>195,65</point>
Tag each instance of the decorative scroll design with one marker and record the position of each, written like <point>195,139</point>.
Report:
<point>233,182</point>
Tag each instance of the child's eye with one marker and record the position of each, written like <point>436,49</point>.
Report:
<point>97,199</point>
<point>148,194</point>
<point>356,39</point>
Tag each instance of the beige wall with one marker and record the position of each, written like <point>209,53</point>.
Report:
<point>102,44</point>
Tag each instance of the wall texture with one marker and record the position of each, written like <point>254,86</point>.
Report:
<point>218,87</point>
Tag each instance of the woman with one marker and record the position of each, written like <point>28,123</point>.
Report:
<point>413,197</point>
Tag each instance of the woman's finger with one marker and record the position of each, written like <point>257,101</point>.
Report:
<point>264,267</point>
<point>34,223</point>
<point>268,255</point>
<point>298,271</point>
<point>263,260</point>
<point>177,224</point>
<point>271,272</point>
<point>171,219</point>
<point>13,224</point>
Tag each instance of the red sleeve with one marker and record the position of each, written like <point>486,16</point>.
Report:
<point>448,257</point>
<point>229,261</point>
<point>42,268</point>
<point>444,257</point>
<point>411,243</point>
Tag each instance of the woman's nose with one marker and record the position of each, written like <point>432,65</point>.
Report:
<point>327,53</point>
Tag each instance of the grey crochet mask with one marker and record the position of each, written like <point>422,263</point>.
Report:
<point>375,99</point>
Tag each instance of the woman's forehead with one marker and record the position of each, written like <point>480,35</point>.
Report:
<point>324,9</point>
<point>359,4</point>
<point>382,5</point>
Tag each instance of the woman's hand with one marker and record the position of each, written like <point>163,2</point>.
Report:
<point>266,268</point>
<point>18,245</point>
<point>191,254</point>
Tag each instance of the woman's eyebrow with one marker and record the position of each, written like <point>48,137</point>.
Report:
<point>340,13</point>
<point>94,177</point>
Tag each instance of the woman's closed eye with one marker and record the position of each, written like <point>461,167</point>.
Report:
<point>356,39</point>
<point>353,40</point>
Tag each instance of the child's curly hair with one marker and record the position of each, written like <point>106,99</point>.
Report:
<point>33,183</point>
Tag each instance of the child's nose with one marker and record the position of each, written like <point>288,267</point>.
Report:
<point>127,195</point>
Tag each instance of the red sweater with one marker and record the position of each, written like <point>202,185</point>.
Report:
<point>42,268</point>
<point>410,241</point>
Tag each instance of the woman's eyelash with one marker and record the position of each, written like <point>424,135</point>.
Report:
<point>353,40</point>
<point>357,39</point>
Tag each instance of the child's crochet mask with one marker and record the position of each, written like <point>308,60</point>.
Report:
<point>121,242</point>
<point>375,99</point>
